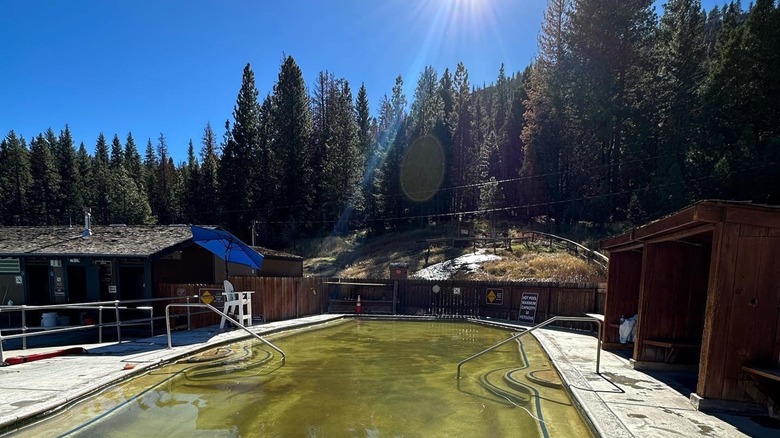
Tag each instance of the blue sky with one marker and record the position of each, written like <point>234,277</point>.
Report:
<point>171,66</point>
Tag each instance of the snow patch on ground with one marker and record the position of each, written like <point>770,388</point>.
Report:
<point>464,263</point>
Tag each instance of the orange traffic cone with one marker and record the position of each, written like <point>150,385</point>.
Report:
<point>358,306</point>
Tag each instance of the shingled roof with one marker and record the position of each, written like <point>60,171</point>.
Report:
<point>267,252</point>
<point>127,241</point>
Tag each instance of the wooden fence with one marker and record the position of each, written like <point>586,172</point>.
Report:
<point>454,298</point>
<point>280,298</point>
<point>274,298</point>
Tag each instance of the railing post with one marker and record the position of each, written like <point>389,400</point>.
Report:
<point>100,324</point>
<point>168,323</point>
<point>598,348</point>
<point>2,359</point>
<point>118,322</point>
<point>189,325</point>
<point>151,320</point>
<point>24,326</point>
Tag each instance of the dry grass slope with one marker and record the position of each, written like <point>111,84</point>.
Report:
<point>356,256</point>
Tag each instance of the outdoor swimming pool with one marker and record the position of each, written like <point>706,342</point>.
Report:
<point>355,377</point>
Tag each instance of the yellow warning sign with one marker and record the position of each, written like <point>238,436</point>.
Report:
<point>207,297</point>
<point>494,296</point>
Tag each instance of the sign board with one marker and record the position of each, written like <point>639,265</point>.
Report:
<point>112,289</point>
<point>180,292</point>
<point>456,291</point>
<point>494,296</point>
<point>18,279</point>
<point>59,286</point>
<point>214,297</point>
<point>528,303</point>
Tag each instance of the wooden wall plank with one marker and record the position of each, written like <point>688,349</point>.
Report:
<point>718,310</point>
<point>764,341</point>
<point>742,311</point>
<point>645,296</point>
<point>753,216</point>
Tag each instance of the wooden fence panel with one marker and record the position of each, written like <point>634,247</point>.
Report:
<point>279,298</point>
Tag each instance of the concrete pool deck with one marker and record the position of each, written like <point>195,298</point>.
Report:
<point>619,402</point>
<point>624,402</point>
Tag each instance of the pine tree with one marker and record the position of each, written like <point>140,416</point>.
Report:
<point>392,145</point>
<point>267,173</point>
<point>292,125</point>
<point>427,106</point>
<point>150,166</point>
<point>16,179</point>
<point>167,186</point>
<point>133,163</point>
<point>680,58</point>
<point>209,198</point>
<point>426,122</point>
<point>117,153</point>
<point>610,43</point>
<point>44,191</point>
<point>367,152</point>
<point>741,98</point>
<point>344,162</point>
<point>236,170</point>
<point>100,181</point>
<point>323,104</point>
<point>84,169</point>
<point>547,149</point>
<point>191,177</point>
<point>464,155</point>
<point>71,194</point>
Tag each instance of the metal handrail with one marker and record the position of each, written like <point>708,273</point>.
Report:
<point>540,325</point>
<point>222,314</point>
<point>93,305</point>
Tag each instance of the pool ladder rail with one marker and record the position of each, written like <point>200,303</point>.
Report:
<point>540,325</point>
<point>222,314</point>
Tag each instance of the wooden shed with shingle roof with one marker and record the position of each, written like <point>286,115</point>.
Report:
<point>55,264</point>
<point>704,284</point>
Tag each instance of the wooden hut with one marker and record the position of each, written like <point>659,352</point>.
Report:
<point>704,284</point>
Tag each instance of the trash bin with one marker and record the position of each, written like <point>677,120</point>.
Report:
<point>49,319</point>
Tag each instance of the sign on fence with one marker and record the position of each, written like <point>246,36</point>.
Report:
<point>528,303</point>
<point>494,296</point>
<point>212,296</point>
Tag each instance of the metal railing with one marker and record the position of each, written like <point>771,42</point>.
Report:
<point>100,306</point>
<point>222,314</point>
<point>540,325</point>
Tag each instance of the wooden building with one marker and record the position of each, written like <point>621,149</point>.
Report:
<point>704,284</point>
<point>55,264</point>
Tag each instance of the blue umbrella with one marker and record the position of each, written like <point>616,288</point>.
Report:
<point>227,247</point>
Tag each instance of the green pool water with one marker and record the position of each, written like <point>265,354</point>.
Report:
<point>356,378</point>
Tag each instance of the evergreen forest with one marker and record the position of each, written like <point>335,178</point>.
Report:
<point>626,114</point>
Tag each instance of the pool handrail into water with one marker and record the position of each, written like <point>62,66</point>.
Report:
<point>592,319</point>
<point>221,313</point>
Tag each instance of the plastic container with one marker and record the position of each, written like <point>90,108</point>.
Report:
<point>49,319</point>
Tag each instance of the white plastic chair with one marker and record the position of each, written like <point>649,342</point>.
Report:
<point>237,303</point>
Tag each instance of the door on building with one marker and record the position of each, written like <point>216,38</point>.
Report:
<point>38,284</point>
<point>77,284</point>
<point>131,282</point>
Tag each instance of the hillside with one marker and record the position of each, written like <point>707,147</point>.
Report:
<point>360,256</point>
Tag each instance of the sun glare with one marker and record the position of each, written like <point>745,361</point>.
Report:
<point>454,27</point>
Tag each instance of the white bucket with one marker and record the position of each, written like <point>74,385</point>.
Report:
<point>49,319</point>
